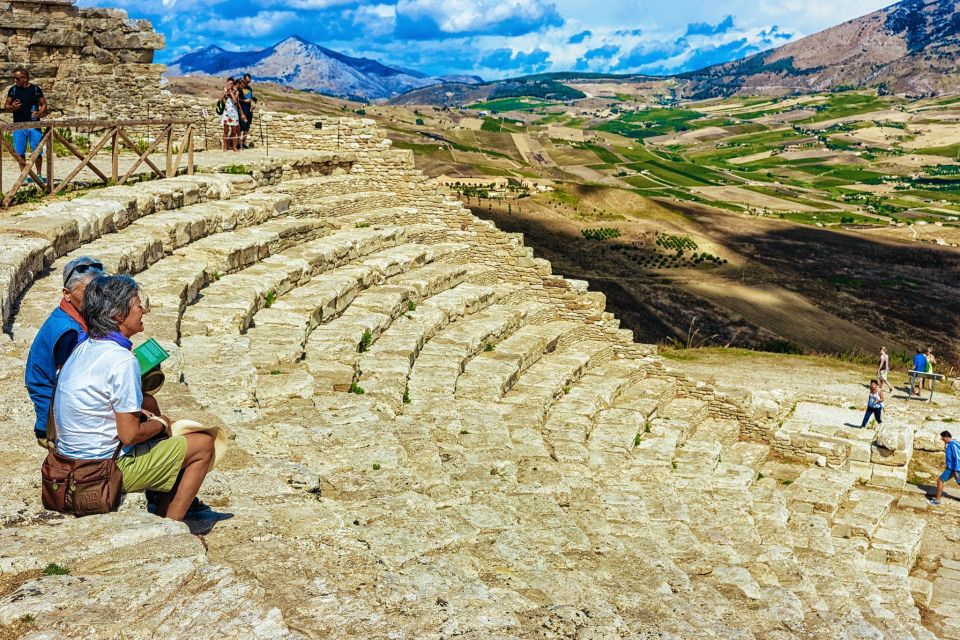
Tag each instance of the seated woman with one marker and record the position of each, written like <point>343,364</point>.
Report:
<point>98,405</point>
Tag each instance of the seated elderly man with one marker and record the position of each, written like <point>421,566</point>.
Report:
<point>98,405</point>
<point>57,339</point>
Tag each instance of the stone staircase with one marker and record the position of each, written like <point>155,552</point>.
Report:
<point>432,436</point>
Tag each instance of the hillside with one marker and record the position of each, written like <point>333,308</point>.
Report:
<point>299,64</point>
<point>907,48</point>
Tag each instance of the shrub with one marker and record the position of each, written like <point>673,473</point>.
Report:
<point>357,389</point>
<point>600,233</point>
<point>236,169</point>
<point>411,306</point>
<point>269,299</point>
<point>488,347</point>
<point>406,395</point>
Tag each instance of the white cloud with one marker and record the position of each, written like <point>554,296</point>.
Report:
<point>376,20</point>
<point>263,23</point>
<point>471,16</point>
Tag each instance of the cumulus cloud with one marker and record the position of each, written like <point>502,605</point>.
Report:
<point>431,19</point>
<point>262,24</point>
<point>705,29</point>
<point>577,38</point>
<point>532,62</point>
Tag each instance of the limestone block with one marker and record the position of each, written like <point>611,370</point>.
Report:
<point>926,437</point>
<point>890,477</point>
<point>879,455</point>
<point>864,470</point>
<point>895,437</point>
<point>899,536</point>
<point>823,489</point>
<point>860,451</point>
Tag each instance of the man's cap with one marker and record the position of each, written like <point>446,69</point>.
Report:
<point>82,261</point>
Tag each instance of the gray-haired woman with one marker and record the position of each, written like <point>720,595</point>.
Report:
<point>99,405</point>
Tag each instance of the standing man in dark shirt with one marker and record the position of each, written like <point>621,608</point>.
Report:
<point>27,104</point>
<point>246,106</point>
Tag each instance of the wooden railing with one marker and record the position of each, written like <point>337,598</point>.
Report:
<point>116,132</point>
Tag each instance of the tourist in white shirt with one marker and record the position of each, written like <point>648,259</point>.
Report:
<point>98,405</point>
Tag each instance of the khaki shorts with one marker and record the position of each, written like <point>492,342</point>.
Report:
<point>153,465</point>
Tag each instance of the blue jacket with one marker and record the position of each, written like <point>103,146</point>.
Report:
<point>54,343</point>
<point>953,455</point>
<point>919,362</point>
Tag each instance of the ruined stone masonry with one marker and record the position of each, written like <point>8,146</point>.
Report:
<point>90,62</point>
<point>515,467</point>
<point>433,435</point>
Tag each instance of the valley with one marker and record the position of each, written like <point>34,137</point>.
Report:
<point>823,223</point>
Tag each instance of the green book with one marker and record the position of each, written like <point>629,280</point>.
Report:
<point>149,355</point>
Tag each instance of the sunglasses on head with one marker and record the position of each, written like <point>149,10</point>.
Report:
<point>83,268</point>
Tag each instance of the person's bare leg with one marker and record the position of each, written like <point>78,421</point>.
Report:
<point>939,489</point>
<point>196,462</point>
<point>226,137</point>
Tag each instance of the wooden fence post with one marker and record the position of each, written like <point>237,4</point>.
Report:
<point>50,160</point>
<point>190,149</point>
<point>115,155</point>
<point>170,173</point>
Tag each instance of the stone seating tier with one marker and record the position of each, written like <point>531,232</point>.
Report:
<point>430,431</point>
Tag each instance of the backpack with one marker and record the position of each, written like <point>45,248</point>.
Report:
<point>219,106</point>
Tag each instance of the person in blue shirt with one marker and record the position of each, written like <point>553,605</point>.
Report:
<point>952,451</point>
<point>919,364</point>
<point>57,339</point>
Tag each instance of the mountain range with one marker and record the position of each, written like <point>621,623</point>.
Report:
<point>910,47</point>
<point>301,64</point>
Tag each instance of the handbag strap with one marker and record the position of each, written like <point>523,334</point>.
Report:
<point>51,422</point>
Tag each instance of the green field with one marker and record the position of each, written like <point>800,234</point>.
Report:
<point>502,105</point>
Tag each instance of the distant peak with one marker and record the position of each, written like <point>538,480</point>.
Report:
<point>293,38</point>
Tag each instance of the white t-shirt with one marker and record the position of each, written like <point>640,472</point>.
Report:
<point>99,379</point>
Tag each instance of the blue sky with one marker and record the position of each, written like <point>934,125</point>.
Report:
<point>501,38</point>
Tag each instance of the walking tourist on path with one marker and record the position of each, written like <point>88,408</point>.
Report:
<point>919,364</point>
<point>952,465</point>
<point>231,116</point>
<point>57,339</point>
<point>98,405</point>
<point>928,354</point>
<point>874,404</point>
<point>883,369</point>
<point>246,108</point>
<point>27,104</point>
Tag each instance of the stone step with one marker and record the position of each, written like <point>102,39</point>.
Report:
<point>176,281</point>
<point>861,513</point>
<point>820,490</point>
<point>442,360</point>
<point>147,241</point>
<point>896,540</point>
<point>334,350</point>
<point>567,429</point>
<point>649,395</point>
<point>748,454</point>
<point>690,410</point>
<point>491,374</point>
<point>229,304</point>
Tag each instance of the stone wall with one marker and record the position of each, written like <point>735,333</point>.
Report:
<point>89,62</point>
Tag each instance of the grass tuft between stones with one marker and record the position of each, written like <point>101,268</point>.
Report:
<point>54,569</point>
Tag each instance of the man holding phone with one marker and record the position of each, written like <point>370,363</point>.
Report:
<point>27,104</point>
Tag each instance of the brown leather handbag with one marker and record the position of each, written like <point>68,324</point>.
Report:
<point>81,487</point>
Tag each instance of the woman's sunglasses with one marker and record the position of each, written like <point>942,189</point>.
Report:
<point>83,268</point>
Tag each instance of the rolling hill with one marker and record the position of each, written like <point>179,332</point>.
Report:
<point>910,48</point>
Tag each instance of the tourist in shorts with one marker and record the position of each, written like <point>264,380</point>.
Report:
<point>883,369</point>
<point>246,109</point>
<point>952,464</point>
<point>27,104</point>
<point>98,405</point>
<point>231,116</point>
<point>874,404</point>
<point>919,364</point>
<point>928,354</point>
